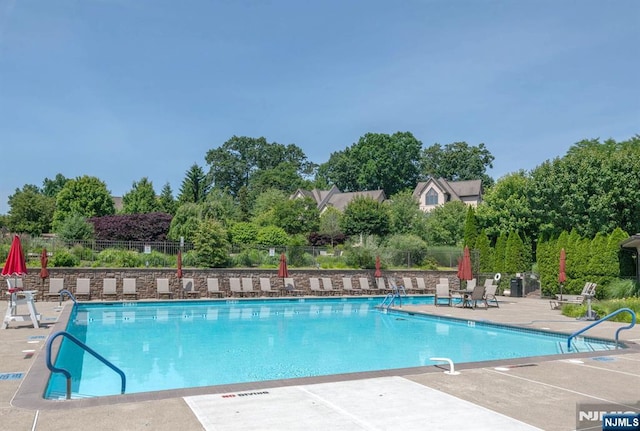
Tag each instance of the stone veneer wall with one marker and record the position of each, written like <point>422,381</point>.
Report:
<point>146,278</point>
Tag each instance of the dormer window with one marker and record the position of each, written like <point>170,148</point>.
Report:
<point>431,198</point>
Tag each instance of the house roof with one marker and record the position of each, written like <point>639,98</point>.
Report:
<point>633,242</point>
<point>456,190</point>
<point>335,198</point>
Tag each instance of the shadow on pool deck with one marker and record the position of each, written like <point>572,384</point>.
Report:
<point>542,391</point>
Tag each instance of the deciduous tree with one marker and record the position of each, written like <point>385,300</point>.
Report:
<point>85,196</point>
<point>30,211</point>
<point>377,161</point>
<point>365,216</point>
<point>458,161</point>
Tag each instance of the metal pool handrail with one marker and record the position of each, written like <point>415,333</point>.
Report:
<point>69,294</point>
<point>608,316</point>
<point>95,354</point>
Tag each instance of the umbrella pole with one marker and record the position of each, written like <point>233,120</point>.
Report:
<point>561,291</point>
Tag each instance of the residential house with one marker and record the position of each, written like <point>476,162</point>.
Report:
<point>434,192</point>
<point>335,198</point>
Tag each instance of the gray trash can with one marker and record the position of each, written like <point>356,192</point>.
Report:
<point>515,286</point>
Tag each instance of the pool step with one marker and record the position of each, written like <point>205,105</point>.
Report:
<point>582,347</point>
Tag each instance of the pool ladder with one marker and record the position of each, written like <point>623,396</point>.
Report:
<point>80,344</point>
<point>607,317</point>
<point>396,293</point>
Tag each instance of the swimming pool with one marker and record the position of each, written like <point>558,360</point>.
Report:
<point>182,344</point>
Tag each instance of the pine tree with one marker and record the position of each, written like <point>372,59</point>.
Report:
<point>485,253</point>
<point>499,252</point>
<point>195,186</point>
<point>166,202</point>
<point>470,228</point>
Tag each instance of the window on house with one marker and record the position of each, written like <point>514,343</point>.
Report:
<point>431,198</point>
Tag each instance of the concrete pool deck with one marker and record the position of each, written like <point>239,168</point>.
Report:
<point>529,393</point>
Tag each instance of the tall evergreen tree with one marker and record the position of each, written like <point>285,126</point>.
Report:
<point>500,250</point>
<point>470,227</point>
<point>166,201</point>
<point>195,186</point>
<point>514,256</point>
<point>485,252</point>
<point>141,199</point>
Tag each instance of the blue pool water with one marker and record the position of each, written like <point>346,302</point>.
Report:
<point>169,345</point>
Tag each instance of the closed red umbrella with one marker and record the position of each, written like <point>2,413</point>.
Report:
<point>282,268</point>
<point>179,273</point>
<point>283,272</point>
<point>464,265</point>
<point>378,272</point>
<point>44,260</point>
<point>562,270</point>
<point>15,266</point>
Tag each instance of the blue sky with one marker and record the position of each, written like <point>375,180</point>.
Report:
<point>125,89</point>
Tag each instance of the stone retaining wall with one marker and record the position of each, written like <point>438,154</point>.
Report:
<point>146,279</point>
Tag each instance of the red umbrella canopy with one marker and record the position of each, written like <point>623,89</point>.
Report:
<point>15,265</point>
<point>282,268</point>
<point>179,264</point>
<point>378,272</point>
<point>464,266</point>
<point>44,260</point>
<point>562,273</point>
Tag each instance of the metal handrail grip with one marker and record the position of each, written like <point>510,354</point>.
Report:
<point>608,316</point>
<point>95,354</point>
<point>69,294</point>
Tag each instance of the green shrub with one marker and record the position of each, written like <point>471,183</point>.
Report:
<point>604,308</point>
<point>248,258</point>
<point>331,262</point>
<point>82,253</point>
<point>63,258</point>
<point>155,259</point>
<point>189,258</point>
<point>622,289</point>
<point>116,258</point>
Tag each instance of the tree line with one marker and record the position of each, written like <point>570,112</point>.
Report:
<point>243,198</point>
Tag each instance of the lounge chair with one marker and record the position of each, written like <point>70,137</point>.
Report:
<point>235,286</point>
<point>55,286</point>
<point>348,288</point>
<point>470,300</point>
<point>490,295</point>
<point>247,287</point>
<point>408,285</point>
<point>588,291</point>
<point>189,288</point>
<point>382,286</point>
<point>129,288</point>
<point>290,287</point>
<point>213,287</point>
<point>488,282</point>
<point>314,284</point>
<point>162,288</point>
<point>421,286</point>
<point>471,284</point>
<point>109,288</point>
<point>83,288</point>
<point>442,293</point>
<point>364,286</point>
<point>327,285</point>
<point>265,287</point>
